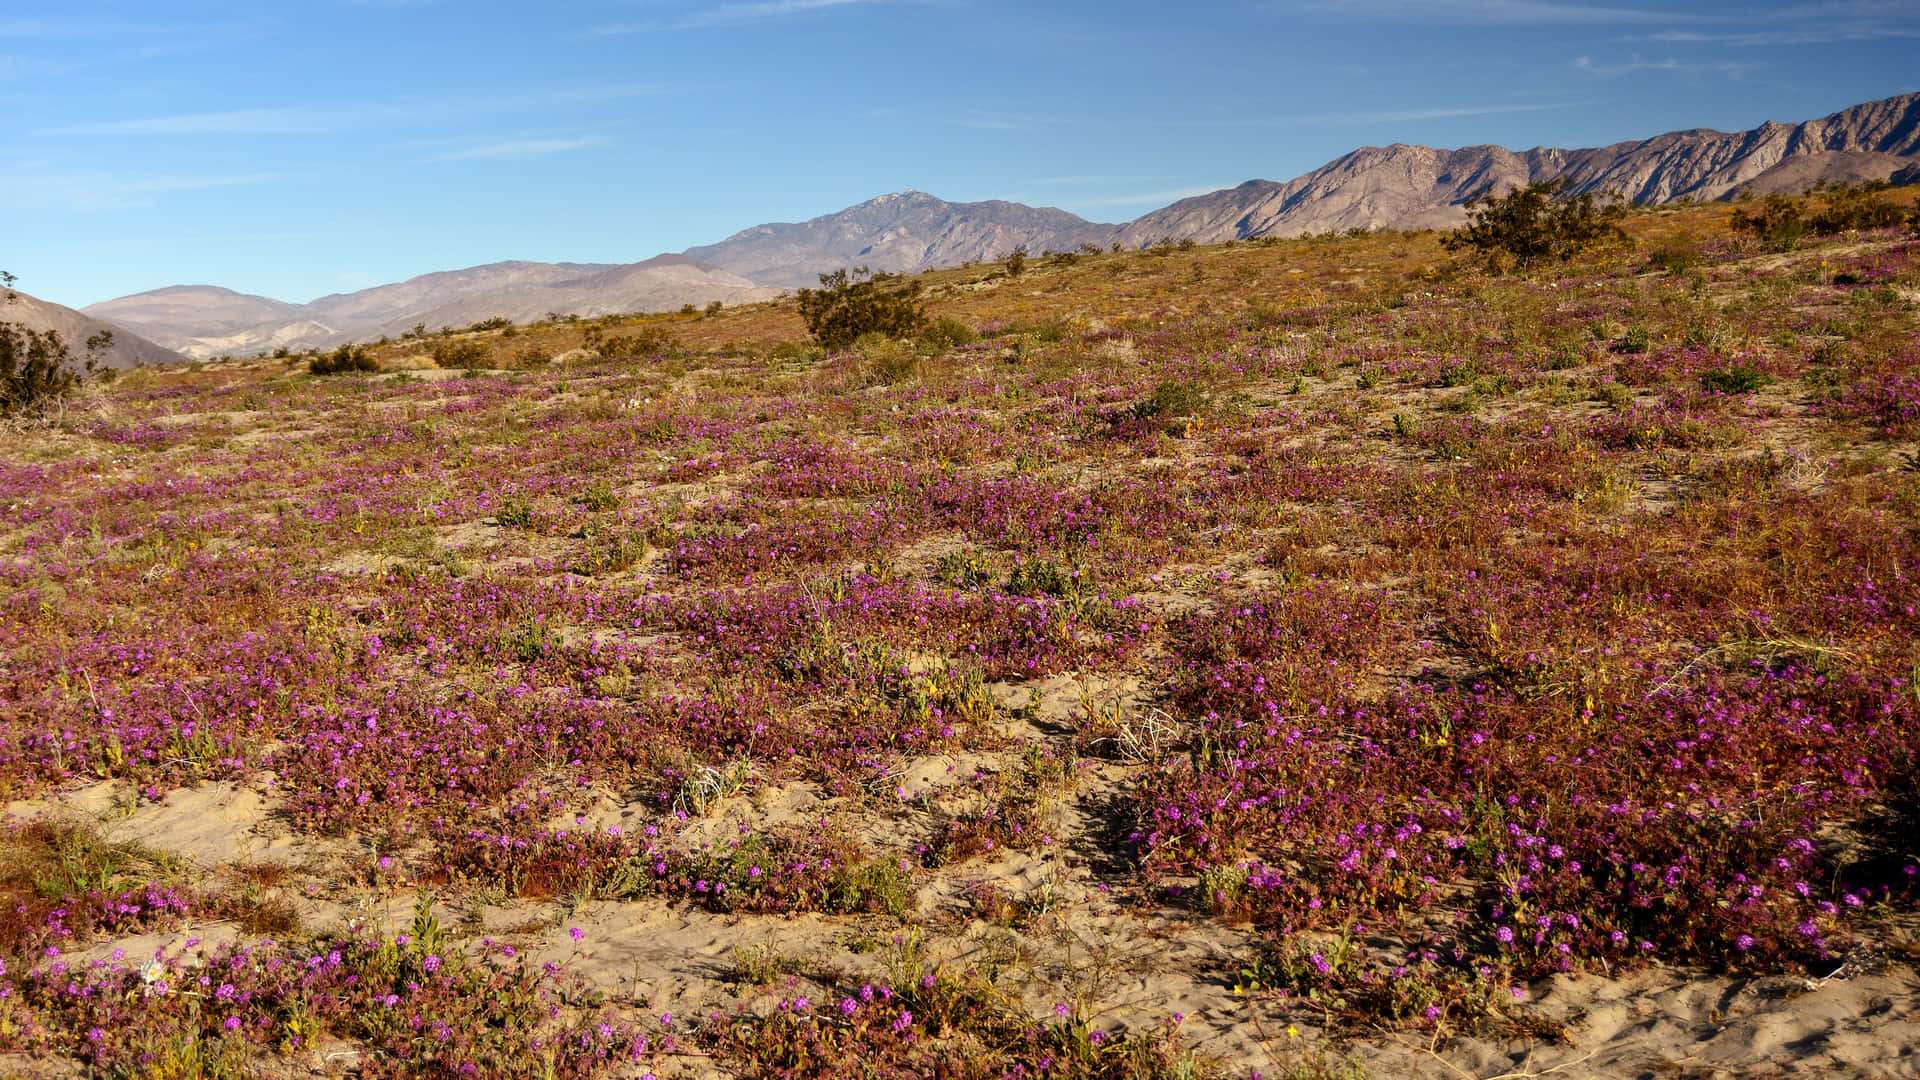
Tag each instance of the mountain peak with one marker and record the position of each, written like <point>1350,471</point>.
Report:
<point>902,231</point>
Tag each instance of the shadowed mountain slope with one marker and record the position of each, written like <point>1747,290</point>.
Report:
<point>129,350</point>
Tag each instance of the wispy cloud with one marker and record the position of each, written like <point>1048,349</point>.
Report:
<point>60,27</point>
<point>311,120</point>
<point>1384,116</point>
<point>297,120</point>
<point>90,191</point>
<point>1490,12</point>
<point>1093,181</point>
<point>1444,112</point>
<point>1157,198</point>
<point>1731,69</point>
<point>735,14</point>
<point>1755,38</point>
<point>518,148</point>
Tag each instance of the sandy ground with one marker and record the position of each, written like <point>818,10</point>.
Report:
<point>1128,967</point>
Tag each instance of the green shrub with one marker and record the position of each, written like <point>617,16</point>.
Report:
<point>346,358</point>
<point>794,352</point>
<point>649,340</point>
<point>1776,222</point>
<point>1535,223</point>
<point>887,361</point>
<point>470,355</point>
<point>600,496</point>
<point>36,367</point>
<point>944,333</point>
<point>850,303</point>
<point>1675,259</point>
<point>1850,208</point>
<point>1170,399</point>
<point>1734,380</point>
<point>963,569</point>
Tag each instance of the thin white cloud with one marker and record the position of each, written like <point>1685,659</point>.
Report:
<point>298,120</point>
<point>1730,69</point>
<point>1494,12</point>
<point>79,27</point>
<point>1093,181</point>
<point>518,148</point>
<point>1810,36</point>
<point>90,191</point>
<point>1157,198</point>
<point>736,14</point>
<point>1384,116</point>
<point>309,120</point>
<point>1401,116</point>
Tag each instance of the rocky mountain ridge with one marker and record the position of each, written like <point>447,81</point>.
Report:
<point>904,231</point>
<point>1420,187</point>
<point>1400,186</point>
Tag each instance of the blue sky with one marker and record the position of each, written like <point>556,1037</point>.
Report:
<point>301,149</point>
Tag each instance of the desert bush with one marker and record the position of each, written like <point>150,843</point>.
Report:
<point>1738,379</point>
<point>1171,398</point>
<point>346,358</point>
<point>887,361</point>
<point>1776,222</point>
<point>944,333</point>
<point>651,340</point>
<point>1016,261</point>
<point>1847,208</point>
<point>850,303</point>
<point>1535,223</point>
<point>797,352</point>
<point>36,366</point>
<point>1675,259</point>
<point>470,355</point>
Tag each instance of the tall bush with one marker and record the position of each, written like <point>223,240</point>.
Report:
<point>36,367</point>
<point>850,303</point>
<point>1532,224</point>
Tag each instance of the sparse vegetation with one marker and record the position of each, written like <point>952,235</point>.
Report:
<point>1381,636</point>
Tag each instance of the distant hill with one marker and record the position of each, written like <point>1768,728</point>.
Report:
<point>202,320</point>
<point>906,231</point>
<point>1404,187</point>
<point>129,350</point>
<point>1398,186</point>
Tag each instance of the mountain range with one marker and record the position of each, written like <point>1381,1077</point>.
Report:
<point>1398,186</point>
<point>129,350</point>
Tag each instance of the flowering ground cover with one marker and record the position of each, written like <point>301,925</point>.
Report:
<point>1284,658</point>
